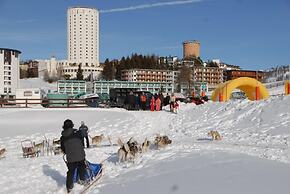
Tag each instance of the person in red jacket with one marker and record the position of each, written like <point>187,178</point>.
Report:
<point>158,104</point>
<point>152,104</point>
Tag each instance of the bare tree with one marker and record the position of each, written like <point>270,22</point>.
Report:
<point>185,77</point>
<point>45,75</point>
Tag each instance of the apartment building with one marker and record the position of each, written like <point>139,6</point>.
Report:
<point>150,75</point>
<point>9,72</point>
<point>153,87</point>
<point>71,87</point>
<point>82,41</point>
<point>211,75</point>
<point>233,74</point>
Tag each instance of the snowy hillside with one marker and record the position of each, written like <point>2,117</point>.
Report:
<point>37,83</point>
<point>253,156</point>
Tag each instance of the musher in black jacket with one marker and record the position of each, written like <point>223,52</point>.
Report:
<point>85,132</point>
<point>72,145</point>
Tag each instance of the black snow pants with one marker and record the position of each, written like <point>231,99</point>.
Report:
<point>87,140</point>
<point>81,166</point>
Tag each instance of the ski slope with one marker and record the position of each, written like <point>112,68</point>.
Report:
<point>253,156</point>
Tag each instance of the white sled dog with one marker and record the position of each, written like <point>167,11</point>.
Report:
<point>215,135</point>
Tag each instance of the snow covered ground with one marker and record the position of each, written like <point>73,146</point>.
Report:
<point>253,156</point>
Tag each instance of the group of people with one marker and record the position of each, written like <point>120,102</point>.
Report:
<point>156,102</point>
<point>142,101</point>
<point>72,144</point>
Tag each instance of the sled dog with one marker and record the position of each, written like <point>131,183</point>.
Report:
<point>162,141</point>
<point>128,151</point>
<point>97,140</point>
<point>56,141</point>
<point>145,146</point>
<point>2,151</point>
<point>124,153</point>
<point>215,135</point>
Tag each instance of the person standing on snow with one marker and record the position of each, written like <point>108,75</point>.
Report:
<point>158,104</point>
<point>161,99</point>
<point>137,102</point>
<point>131,101</point>
<point>85,132</point>
<point>72,145</point>
<point>166,100</point>
<point>172,102</point>
<point>152,104</point>
<point>143,100</point>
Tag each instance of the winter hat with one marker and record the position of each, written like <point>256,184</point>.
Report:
<point>67,124</point>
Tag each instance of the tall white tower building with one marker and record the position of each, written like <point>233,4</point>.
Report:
<point>83,40</point>
<point>9,71</point>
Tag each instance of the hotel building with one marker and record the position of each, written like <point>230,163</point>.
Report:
<point>82,41</point>
<point>9,72</point>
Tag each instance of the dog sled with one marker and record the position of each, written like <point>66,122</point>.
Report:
<point>56,148</point>
<point>92,174</point>
<point>28,149</point>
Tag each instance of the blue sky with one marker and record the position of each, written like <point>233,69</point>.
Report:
<point>254,34</point>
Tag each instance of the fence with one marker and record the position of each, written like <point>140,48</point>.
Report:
<point>48,103</point>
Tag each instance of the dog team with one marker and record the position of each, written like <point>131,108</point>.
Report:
<point>127,151</point>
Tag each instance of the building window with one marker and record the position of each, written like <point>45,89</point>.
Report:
<point>27,93</point>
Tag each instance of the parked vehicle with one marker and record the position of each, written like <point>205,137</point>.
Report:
<point>92,100</point>
<point>119,97</point>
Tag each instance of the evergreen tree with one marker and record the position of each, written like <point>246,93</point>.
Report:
<point>106,69</point>
<point>109,71</point>
<point>80,75</point>
<point>119,68</point>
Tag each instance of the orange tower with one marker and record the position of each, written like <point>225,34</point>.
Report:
<point>191,49</point>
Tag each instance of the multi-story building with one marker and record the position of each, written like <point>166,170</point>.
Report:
<point>9,72</point>
<point>212,75</point>
<point>233,74</point>
<point>153,87</point>
<point>71,87</point>
<point>50,66</point>
<point>171,61</point>
<point>150,75</point>
<point>53,68</point>
<point>82,41</point>
<point>208,73</point>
